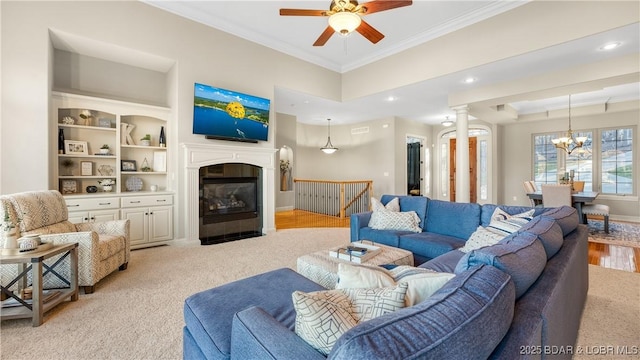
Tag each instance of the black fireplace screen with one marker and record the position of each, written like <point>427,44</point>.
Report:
<point>226,197</point>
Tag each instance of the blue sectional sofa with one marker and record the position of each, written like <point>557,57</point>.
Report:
<point>521,298</point>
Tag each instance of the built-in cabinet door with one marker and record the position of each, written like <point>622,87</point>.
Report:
<point>138,224</point>
<point>78,217</point>
<point>161,223</point>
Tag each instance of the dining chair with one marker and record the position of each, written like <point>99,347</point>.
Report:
<point>556,195</point>
<point>530,187</point>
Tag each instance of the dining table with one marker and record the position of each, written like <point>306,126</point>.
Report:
<point>577,198</point>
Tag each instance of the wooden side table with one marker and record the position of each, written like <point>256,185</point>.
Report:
<point>34,261</point>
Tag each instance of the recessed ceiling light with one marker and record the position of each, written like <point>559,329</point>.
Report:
<point>391,98</point>
<point>610,46</point>
<point>469,80</point>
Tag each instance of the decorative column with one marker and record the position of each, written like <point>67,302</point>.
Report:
<point>462,154</point>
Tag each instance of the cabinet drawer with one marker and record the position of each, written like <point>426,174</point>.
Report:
<point>92,204</point>
<point>137,201</point>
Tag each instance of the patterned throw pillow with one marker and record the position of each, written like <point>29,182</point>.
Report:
<point>387,220</point>
<point>502,225</point>
<point>502,222</point>
<point>482,237</point>
<point>323,316</point>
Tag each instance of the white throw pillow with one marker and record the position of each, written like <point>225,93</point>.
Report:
<point>422,283</point>
<point>355,277</point>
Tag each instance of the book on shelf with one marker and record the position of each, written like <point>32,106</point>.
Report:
<point>47,295</point>
<point>355,252</point>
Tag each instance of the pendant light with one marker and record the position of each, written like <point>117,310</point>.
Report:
<point>328,148</point>
<point>568,142</point>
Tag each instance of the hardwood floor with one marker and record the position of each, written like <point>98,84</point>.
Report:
<point>608,256</point>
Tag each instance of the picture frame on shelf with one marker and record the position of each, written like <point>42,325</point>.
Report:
<point>73,147</point>
<point>160,161</point>
<point>128,165</point>
<point>68,186</point>
<point>104,123</point>
<point>86,168</point>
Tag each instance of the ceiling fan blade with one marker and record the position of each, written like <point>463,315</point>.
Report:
<point>369,32</point>
<point>302,12</point>
<point>382,5</point>
<point>324,37</point>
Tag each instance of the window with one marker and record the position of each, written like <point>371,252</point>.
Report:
<point>545,160</point>
<point>484,170</point>
<point>616,155</point>
<point>581,161</point>
<point>605,166</point>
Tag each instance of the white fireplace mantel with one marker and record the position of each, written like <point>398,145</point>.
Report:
<point>199,155</point>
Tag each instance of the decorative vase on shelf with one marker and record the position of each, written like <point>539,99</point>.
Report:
<point>162,142</point>
<point>60,141</point>
<point>107,188</point>
<point>10,239</point>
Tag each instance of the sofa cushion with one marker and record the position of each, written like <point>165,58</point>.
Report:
<point>521,255</point>
<point>209,314</point>
<point>465,319</point>
<point>565,216</point>
<point>444,217</point>
<point>548,231</point>
<point>505,223</point>
<point>444,263</point>
<point>323,316</point>
<point>429,245</point>
<point>384,237</point>
<point>389,220</point>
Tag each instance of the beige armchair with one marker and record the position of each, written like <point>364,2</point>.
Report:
<point>103,247</point>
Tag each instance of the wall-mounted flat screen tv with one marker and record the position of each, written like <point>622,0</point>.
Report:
<point>229,115</point>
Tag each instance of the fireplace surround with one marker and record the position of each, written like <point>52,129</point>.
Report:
<point>202,155</point>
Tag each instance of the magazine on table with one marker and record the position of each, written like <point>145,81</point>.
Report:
<point>355,252</point>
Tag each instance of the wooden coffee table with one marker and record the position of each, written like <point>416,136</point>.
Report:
<point>34,262</point>
<point>323,269</point>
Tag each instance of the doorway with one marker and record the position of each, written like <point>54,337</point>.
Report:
<point>415,166</point>
<point>473,171</point>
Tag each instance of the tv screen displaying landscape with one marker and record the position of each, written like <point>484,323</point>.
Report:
<point>226,114</point>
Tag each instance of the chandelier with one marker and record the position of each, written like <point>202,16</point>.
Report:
<point>328,148</point>
<point>568,142</point>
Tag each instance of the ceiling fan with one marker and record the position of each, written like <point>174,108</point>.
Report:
<point>345,16</point>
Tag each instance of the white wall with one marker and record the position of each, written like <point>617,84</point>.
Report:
<point>200,54</point>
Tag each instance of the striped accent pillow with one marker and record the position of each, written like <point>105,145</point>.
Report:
<point>505,224</point>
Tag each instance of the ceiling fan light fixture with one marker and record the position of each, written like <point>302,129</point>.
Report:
<point>344,22</point>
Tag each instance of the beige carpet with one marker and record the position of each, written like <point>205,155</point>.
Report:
<point>137,313</point>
